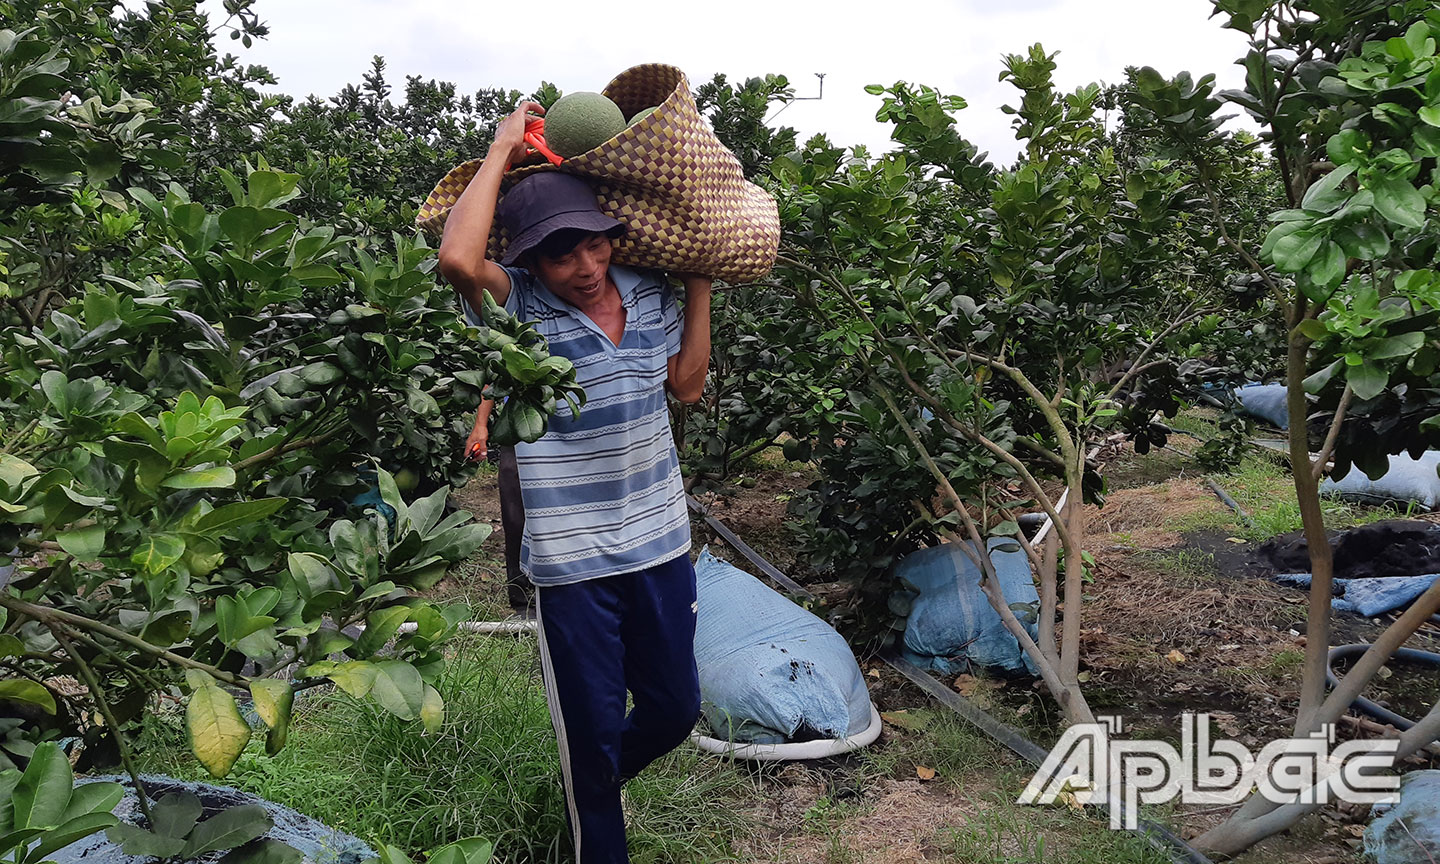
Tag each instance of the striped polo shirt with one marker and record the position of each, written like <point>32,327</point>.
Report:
<point>602,492</point>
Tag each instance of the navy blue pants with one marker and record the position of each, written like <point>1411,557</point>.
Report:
<point>598,639</point>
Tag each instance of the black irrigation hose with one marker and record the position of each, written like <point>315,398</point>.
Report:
<point>744,549</point>
<point>1160,837</point>
<point>1229,502</point>
<point>1342,652</point>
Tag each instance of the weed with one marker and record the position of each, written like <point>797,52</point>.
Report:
<point>1186,566</point>
<point>1007,834</point>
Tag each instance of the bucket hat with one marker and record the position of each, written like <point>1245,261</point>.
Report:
<point>542,204</point>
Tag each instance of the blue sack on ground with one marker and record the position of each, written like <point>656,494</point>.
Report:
<point>1265,402</point>
<point>770,672</point>
<point>951,624</point>
<point>1409,831</point>
<point>1370,597</point>
<point>1407,480</point>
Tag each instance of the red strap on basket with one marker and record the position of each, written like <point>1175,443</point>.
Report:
<point>535,138</point>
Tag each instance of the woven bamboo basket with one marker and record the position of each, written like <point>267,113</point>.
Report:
<point>681,194</point>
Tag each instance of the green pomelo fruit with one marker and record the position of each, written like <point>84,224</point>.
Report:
<point>579,122</point>
<point>406,479</point>
<point>642,114</point>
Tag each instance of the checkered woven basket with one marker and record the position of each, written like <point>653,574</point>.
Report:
<point>681,194</point>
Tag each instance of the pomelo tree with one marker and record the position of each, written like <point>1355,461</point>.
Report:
<point>1348,97</point>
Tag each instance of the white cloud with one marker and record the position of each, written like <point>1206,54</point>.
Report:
<point>317,46</point>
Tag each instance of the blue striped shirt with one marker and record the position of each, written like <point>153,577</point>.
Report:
<point>602,492</point>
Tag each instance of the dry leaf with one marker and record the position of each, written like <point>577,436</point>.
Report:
<point>1175,656</point>
<point>1180,687</point>
<point>1022,710</point>
<point>967,684</point>
<point>924,773</point>
<point>875,673</point>
<point>1235,540</point>
<point>905,720</point>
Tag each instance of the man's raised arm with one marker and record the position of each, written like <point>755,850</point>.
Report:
<point>467,229</point>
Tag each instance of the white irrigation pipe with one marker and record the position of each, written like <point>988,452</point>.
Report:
<point>487,628</point>
<point>792,751</point>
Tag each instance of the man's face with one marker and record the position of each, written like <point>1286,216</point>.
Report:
<point>579,276</point>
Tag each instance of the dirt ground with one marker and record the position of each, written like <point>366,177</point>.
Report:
<point>1176,620</point>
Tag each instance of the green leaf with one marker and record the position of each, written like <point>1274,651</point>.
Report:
<point>88,798</point>
<point>312,573</point>
<point>158,552</point>
<point>1402,345</point>
<point>1292,252</point>
<point>1314,330</point>
<point>1367,380</point>
<point>1399,202</point>
<point>390,855</point>
<point>529,422</point>
<point>176,814</point>
<point>273,701</point>
<point>1430,114</point>
<point>472,850</point>
<point>1325,195</point>
<point>144,844</point>
<point>399,689</point>
<point>10,646</point>
<point>217,477</point>
<point>1363,241</point>
<point>228,829</point>
<point>421,403</point>
<point>27,691</point>
<point>70,831</point>
<point>85,544</point>
<point>224,518</point>
<point>380,589</point>
<point>356,677</point>
<point>321,374</point>
<point>380,627</point>
<point>42,795</point>
<point>1328,267</point>
<point>218,734</point>
<point>266,851</point>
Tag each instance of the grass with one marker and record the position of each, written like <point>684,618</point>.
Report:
<point>941,741</point>
<point>1262,486</point>
<point>492,771</point>
<point>1009,834</point>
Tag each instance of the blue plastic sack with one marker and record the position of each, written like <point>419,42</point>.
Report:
<point>951,625</point>
<point>1408,480</point>
<point>1370,597</point>
<point>1265,402</point>
<point>319,843</point>
<point>1409,831</point>
<point>770,672</point>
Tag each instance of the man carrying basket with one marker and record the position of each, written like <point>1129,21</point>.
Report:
<point>607,535</point>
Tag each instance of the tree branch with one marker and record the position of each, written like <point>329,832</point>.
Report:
<point>97,694</point>
<point>1333,436</point>
<point>48,616</point>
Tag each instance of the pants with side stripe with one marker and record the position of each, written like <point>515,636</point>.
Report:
<point>598,639</point>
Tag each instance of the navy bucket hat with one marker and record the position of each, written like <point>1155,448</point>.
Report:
<point>547,202</point>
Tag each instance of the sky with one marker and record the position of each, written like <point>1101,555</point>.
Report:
<point>318,46</point>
